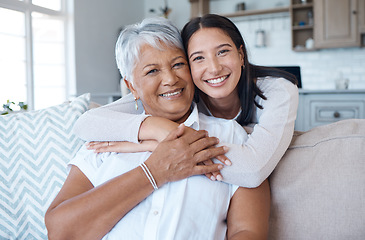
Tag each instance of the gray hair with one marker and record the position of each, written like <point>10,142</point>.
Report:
<point>152,31</point>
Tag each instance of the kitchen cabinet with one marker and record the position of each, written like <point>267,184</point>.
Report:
<point>361,16</point>
<point>302,24</point>
<point>336,23</point>
<point>326,106</point>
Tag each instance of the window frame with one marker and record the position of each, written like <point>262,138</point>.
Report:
<point>65,13</point>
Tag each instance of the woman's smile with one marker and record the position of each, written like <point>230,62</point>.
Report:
<point>216,82</point>
<point>172,94</point>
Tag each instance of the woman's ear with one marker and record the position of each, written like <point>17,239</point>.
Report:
<point>131,88</point>
<point>241,55</point>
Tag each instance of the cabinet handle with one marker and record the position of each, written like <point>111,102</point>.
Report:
<point>336,114</point>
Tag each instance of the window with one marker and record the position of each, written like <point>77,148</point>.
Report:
<point>34,58</point>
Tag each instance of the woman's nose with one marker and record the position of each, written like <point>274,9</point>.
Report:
<point>214,66</point>
<point>169,78</point>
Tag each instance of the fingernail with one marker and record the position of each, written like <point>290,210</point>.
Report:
<point>212,178</point>
<point>226,148</point>
<point>228,163</point>
<point>220,166</point>
<point>219,177</point>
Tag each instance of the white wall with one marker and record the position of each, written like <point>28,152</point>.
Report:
<point>97,25</point>
<point>179,15</point>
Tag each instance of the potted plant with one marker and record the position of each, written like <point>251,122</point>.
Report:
<point>8,107</point>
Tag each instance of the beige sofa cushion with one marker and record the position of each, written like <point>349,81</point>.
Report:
<point>318,188</point>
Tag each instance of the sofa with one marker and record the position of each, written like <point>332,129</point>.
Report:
<point>318,188</point>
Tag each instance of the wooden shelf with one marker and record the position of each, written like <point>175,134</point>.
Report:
<point>301,33</point>
<point>256,12</point>
<point>302,27</point>
<point>299,5</point>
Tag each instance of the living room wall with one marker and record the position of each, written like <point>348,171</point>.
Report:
<point>97,25</point>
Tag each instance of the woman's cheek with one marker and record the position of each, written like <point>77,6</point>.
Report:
<point>195,74</point>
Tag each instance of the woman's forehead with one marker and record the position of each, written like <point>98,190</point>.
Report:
<point>165,52</point>
<point>210,36</point>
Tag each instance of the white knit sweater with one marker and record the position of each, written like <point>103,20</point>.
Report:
<point>252,162</point>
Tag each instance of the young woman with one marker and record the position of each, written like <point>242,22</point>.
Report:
<point>263,100</point>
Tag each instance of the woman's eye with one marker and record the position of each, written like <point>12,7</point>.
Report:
<point>223,51</point>
<point>198,58</point>
<point>179,65</point>
<point>151,71</point>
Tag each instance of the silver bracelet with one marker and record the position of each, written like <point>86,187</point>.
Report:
<point>149,175</point>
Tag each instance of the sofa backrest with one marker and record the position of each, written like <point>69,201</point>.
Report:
<point>318,187</point>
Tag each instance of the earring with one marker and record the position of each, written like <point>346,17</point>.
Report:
<point>136,104</point>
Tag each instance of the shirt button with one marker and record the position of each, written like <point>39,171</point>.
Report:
<point>155,213</point>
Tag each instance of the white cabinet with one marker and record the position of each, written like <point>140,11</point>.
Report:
<point>323,107</point>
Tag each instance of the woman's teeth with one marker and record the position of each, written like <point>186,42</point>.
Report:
<point>217,80</point>
<point>171,94</point>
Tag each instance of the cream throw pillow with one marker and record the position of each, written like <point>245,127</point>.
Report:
<point>35,148</point>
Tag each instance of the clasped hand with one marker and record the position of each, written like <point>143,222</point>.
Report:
<point>183,153</point>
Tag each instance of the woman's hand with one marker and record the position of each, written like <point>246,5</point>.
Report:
<point>222,158</point>
<point>166,127</point>
<point>122,147</point>
<point>216,175</point>
<point>180,155</point>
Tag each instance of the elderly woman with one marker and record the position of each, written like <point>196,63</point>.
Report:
<point>154,195</point>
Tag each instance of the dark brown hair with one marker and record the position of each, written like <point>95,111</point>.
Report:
<point>247,88</point>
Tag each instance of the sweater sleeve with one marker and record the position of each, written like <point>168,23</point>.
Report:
<point>108,123</point>
<point>255,159</point>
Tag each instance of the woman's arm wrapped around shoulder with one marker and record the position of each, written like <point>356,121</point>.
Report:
<point>109,122</point>
<point>120,121</point>
<point>255,159</point>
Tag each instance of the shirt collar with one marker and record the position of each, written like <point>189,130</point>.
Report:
<point>193,119</point>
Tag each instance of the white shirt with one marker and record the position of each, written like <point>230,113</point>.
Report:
<point>253,161</point>
<point>193,208</point>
